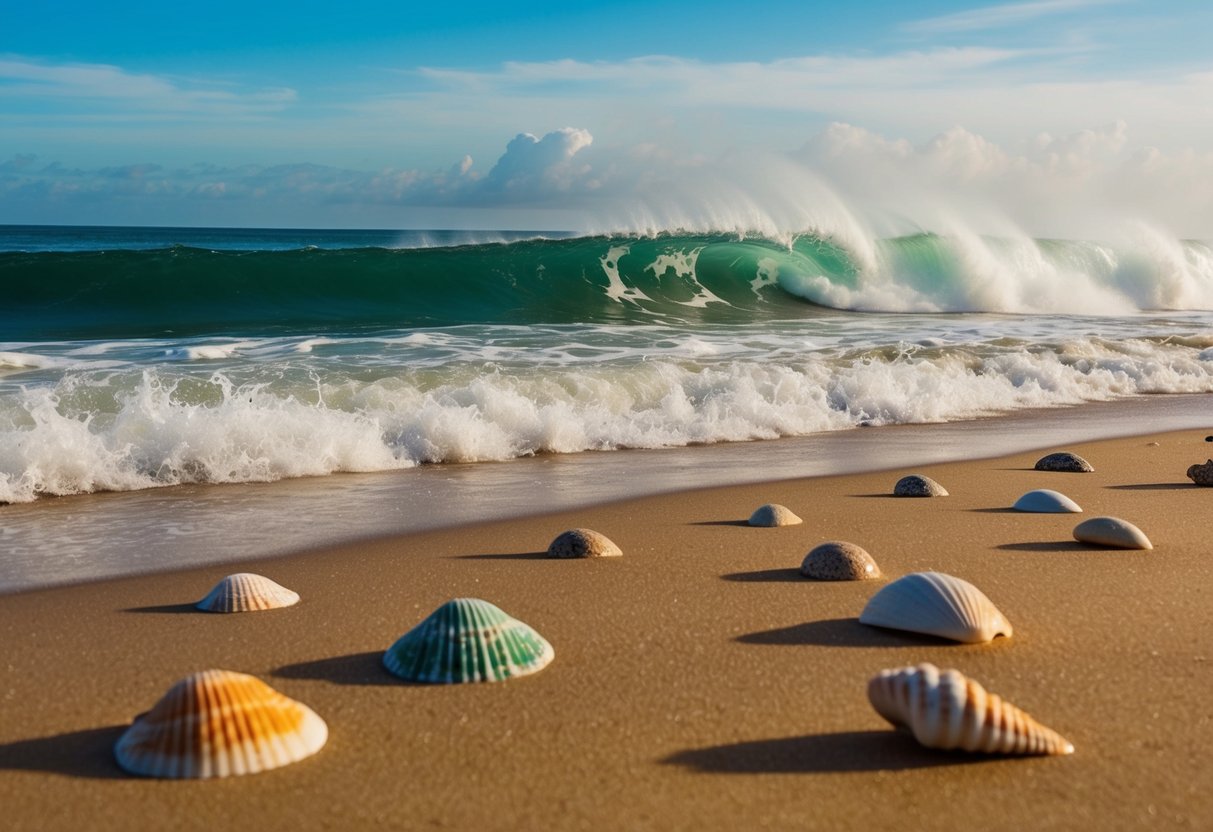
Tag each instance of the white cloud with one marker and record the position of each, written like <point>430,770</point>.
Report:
<point>1003,15</point>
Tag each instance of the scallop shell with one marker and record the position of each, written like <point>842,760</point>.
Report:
<point>837,560</point>
<point>773,514</point>
<point>583,543</point>
<point>247,592</point>
<point>938,605</point>
<point>1064,461</point>
<point>217,723</point>
<point>1045,501</point>
<point>468,640</point>
<point>944,709</point>
<point>916,485</point>
<point>1201,474</point>
<point>1112,532</point>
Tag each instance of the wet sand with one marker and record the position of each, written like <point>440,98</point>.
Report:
<point>699,682</point>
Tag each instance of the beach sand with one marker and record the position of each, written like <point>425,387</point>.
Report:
<point>699,682</point>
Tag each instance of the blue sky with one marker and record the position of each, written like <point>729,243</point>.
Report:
<point>564,114</point>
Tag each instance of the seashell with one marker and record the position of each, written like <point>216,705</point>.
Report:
<point>468,640</point>
<point>1045,501</point>
<point>1064,461</point>
<point>247,592</point>
<point>944,709</point>
<point>583,543</point>
<point>1112,532</point>
<point>773,514</point>
<point>218,723</point>
<point>916,485</point>
<point>837,560</point>
<point>1201,474</point>
<point>938,605</point>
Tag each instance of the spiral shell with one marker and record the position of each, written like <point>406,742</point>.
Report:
<point>247,592</point>
<point>938,605</point>
<point>583,543</point>
<point>218,723</point>
<point>773,514</point>
<point>944,709</point>
<point>468,640</point>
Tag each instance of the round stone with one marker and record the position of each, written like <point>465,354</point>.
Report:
<point>1064,461</point>
<point>583,543</point>
<point>773,514</point>
<point>916,485</point>
<point>837,560</point>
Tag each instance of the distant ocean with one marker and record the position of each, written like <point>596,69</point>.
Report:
<point>140,357</point>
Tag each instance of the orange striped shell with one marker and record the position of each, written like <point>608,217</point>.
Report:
<point>217,723</point>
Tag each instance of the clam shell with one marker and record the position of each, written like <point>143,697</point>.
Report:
<point>1045,501</point>
<point>1064,461</point>
<point>468,640</point>
<point>773,514</point>
<point>1201,474</point>
<point>837,560</point>
<point>217,723</point>
<point>1112,532</point>
<point>916,485</point>
<point>938,605</point>
<point>944,709</point>
<point>247,592</point>
<point>583,543</point>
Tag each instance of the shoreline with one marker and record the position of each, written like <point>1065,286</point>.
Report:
<point>699,682</point>
<point>59,541</point>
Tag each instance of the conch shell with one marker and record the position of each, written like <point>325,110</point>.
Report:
<point>944,709</point>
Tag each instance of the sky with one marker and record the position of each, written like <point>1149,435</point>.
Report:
<point>1049,116</point>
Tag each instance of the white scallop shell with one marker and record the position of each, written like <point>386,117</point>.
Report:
<point>247,592</point>
<point>1046,501</point>
<point>583,543</point>
<point>1112,532</point>
<point>218,723</point>
<point>773,514</point>
<point>938,605</point>
<point>944,709</point>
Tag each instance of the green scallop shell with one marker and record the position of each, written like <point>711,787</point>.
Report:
<point>468,640</point>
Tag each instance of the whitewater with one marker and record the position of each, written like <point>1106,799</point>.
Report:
<point>135,358</point>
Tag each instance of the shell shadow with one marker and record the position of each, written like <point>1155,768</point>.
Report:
<point>175,609</point>
<point>353,669</point>
<point>1155,486</point>
<point>768,576</point>
<point>742,523</point>
<point>510,556</point>
<point>88,753</point>
<point>841,632</point>
<point>1000,510</point>
<point>847,751</point>
<point>1049,546</point>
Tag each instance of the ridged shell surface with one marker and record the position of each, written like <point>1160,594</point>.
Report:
<point>916,485</point>
<point>773,514</point>
<point>247,592</point>
<point>1045,501</point>
<point>837,560</point>
<point>944,709</point>
<point>936,604</point>
<point>583,543</point>
<point>468,640</point>
<point>1112,532</point>
<point>217,723</point>
<point>1064,461</point>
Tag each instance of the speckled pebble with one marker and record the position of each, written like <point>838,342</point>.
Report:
<point>583,543</point>
<point>916,485</point>
<point>837,560</point>
<point>773,514</point>
<point>1064,461</point>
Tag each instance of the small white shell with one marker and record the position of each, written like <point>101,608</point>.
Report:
<point>944,709</point>
<point>218,723</point>
<point>837,560</point>
<point>1046,501</point>
<point>773,514</point>
<point>916,485</point>
<point>247,592</point>
<point>1112,532</point>
<point>583,543</point>
<point>938,605</point>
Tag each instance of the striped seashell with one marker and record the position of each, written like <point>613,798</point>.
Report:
<point>838,560</point>
<point>1046,501</point>
<point>1111,532</point>
<point>583,543</point>
<point>468,640</point>
<point>944,709</point>
<point>217,723</point>
<point>773,514</point>
<point>938,605</point>
<point>916,485</point>
<point>247,592</point>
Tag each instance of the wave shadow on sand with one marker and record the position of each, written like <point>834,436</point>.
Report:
<point>847,751</point>
<point>88,753</point>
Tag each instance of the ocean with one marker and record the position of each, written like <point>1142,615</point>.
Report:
<point>138,358</point>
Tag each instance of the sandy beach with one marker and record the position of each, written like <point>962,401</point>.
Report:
<point>699,681</point>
